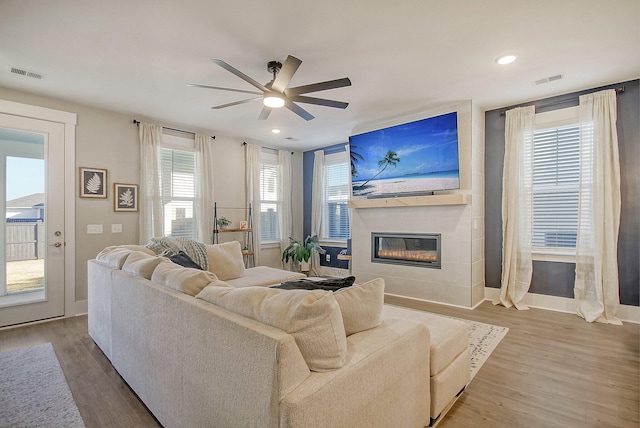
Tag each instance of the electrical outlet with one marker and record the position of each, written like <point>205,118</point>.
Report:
<point>93,229</point>
<point>328,257</point>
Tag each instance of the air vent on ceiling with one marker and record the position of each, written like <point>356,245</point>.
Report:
<point>27,73</point>
<point>291,139</point>
<point>548,79</point>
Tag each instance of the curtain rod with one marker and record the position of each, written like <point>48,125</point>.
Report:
<point>574,98</point>
<point>244,143</point>
<point>137,122</point>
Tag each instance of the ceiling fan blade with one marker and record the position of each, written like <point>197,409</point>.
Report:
<point>315,87</point>
<point>319,101</point>
<point>264,114</point>
<point>240,74</point>
<point>283,78</point>
<point>235,103</point>
<point>223,89</point>
<point>298,110</point>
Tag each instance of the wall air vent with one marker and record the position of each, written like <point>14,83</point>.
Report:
<point>27,73</point>
<point>548,79</point>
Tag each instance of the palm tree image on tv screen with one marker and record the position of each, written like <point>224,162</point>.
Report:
<point>409,159</point>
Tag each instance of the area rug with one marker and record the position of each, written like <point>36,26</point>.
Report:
<point>33,390</point>
<point>483,338</point>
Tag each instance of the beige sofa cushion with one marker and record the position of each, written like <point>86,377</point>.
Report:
<point>225,260</point>
<point>141,264</point>
<point>361,305</point>
<point>449,337</point>
<point>265,276</point>
<point>186,280</point>
<point>139,248</point>
<point>312,317</point>
<point>113,256</point>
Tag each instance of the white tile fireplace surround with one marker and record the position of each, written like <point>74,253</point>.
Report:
<point>451,284</point>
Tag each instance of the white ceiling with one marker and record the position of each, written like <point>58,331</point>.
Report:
<point>403,57</point>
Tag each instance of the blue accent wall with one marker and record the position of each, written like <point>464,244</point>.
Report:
<point>552,278</point>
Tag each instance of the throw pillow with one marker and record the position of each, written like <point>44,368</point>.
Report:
<point>312,317</point>
<point>113,256</point>
<point>330,284</point>
<point>361,305</point>
<point>141,264</point>
<point>225,260</point>
<point>186,280</point>
<point>182,259</point>
<point>138,248</point>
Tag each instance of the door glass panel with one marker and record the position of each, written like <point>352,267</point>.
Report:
<point>24,226</point>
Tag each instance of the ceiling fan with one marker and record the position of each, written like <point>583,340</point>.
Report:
<point>275,93</point>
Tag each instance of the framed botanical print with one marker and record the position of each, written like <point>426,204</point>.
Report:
<point>125,197</point>
<point>93,183</point>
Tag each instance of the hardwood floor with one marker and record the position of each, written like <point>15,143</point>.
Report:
<point>103,398</point>
<point>551,370</point>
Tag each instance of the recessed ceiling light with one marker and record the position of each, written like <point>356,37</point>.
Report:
<point>275,131</point>
<point>507,59</point>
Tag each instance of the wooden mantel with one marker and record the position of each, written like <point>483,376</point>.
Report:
<point>412,201</point>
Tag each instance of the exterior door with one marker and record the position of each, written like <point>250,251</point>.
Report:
<point>32,243</point>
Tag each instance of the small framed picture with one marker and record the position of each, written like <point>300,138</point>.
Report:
<point>126,197</point>
<point>93,183</point>
<point>244,225</point>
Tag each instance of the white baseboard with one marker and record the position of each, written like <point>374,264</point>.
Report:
<point>79,308</point>
<point>563,304</point>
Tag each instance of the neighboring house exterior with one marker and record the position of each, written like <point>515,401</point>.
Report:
<point>28,208</point>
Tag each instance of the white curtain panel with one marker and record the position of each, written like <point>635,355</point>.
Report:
<point>317,205</point>
<point>517,207</point>
<point>252,169</point>
<point>204,188</point>
<point>286,216</point>
<point>151,214</point>
<point>596,286</point>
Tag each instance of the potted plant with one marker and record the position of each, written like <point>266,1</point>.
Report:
<point>222,222</point>
<point>300,252</point>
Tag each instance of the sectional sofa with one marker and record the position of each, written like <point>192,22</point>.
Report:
<point>200,351</point>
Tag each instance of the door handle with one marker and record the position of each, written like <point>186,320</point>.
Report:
<point>56,244</point>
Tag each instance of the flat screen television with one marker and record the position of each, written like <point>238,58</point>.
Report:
<point>414,158</point>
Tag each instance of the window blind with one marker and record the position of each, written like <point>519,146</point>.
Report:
<point>178,192</point>
<point>269,203</point>
<point>336,197</point>
<point>556,168</point>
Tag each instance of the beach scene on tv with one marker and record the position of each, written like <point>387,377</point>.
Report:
<point>413,158</point>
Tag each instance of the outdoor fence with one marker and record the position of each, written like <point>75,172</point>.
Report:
<point>25,241</point>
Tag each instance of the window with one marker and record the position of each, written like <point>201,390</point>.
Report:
<point>269,198</point>
<point>556,167</point>
<point>337,173</point>
<point>178,187</point>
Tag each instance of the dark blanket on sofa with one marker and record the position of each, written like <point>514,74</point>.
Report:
<point>330,284</point>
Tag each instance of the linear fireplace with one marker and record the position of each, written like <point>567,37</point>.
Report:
<point>410,249</point>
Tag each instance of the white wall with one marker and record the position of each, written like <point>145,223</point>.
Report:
<point>107,139</point>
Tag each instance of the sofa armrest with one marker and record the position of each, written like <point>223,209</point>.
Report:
<point>99,290</point>
<point>386,382</point>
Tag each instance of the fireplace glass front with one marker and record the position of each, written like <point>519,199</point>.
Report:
<point>406,249</point>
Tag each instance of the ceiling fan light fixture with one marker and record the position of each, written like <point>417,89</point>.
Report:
<point>506,59</point>
<point>273,101</point>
